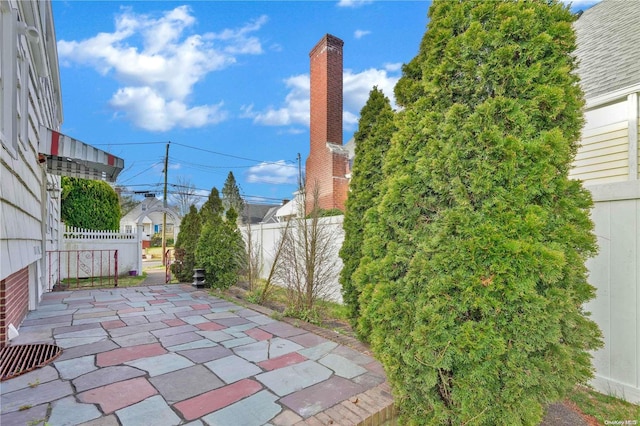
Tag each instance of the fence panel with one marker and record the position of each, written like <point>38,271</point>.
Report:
<point>127,245</point>
<point>82,269</point>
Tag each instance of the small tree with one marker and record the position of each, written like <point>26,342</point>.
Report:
<point>186,243</point>
<point>307,260</point>
<point>372,140</point>
<point>220,249</point>
<point>473,276</point>
<point>89,204</point>
<point>184,195</point>
<point>231,197</point>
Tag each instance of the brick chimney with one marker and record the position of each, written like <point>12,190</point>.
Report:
<point>327,163</point>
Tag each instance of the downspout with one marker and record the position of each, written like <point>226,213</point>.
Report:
<point>43,249</point>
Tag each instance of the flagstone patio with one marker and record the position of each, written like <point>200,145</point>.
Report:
<point>174,355</point>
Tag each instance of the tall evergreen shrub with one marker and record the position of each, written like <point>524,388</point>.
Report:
<point>372,141</point>
<point>472,276</point>
<point>185,248</point>
<point>220,248</point>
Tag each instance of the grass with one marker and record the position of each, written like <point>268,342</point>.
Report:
<point>155,252</point>
<point>605,409</point>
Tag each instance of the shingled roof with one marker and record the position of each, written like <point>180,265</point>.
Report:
<point>609,47</point>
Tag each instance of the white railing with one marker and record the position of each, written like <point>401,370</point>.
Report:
<point>73,233</point>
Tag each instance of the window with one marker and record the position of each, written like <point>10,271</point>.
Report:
<point>128,229</point>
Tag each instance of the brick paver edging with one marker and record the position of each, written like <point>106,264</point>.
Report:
<point>371,408</point>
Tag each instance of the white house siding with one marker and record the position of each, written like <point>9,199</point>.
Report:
<point>30,96</point>
<point>603,155</point>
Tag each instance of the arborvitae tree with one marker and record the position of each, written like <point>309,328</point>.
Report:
<point>212,207</point>
<point>372,140</point>
<point>231,197</point>
<point>89,204</point>
<point>220,248</point>
<point>185,248</point>
<point>473,273</point>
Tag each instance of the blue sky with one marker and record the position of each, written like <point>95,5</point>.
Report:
<point>226,82</point>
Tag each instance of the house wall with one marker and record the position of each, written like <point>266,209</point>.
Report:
<point>14,300</point>
<point>30,96</point>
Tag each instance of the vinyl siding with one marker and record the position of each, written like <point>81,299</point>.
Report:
<point>603,156</point>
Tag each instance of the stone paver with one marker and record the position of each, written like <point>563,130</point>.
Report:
<point>161,364</point>
<point>216,399</point>
<point>37,394</point>
<point>105,376</point>
<point>286,380</point>
<point>118,395</point>
<point>72,368</point>
<point>233,368</point>
<point>152,411</point>
<point>321,396</point>
<point>120,356</point>
<point>255,410</point>
<point>187,383</point>
<point>342,366</point>
<point>67,411</point>
<point>174,355</point>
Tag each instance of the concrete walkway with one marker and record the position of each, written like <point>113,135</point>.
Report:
<point>173,355</point>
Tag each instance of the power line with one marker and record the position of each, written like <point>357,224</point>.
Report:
<point>232,156</point>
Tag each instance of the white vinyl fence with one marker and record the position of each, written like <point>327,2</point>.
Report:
<point>615,272</point>
<point>265,239</point>
<point>84,240</point>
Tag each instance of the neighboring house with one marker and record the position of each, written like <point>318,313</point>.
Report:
<point>291,209</point>
<point>150,215</point>
<point>255,213</point>
<point>608,36</point>
<point>33,156</point>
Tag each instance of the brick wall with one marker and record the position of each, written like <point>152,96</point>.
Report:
<point>323,165</point>
<point>14,301</point>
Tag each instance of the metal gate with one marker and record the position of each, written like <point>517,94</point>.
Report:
<point>81,269</point>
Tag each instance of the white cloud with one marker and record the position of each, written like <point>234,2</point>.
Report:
<point>358,34</point>
<point>353,3</point>
<point>278,172</point>
<point>296,106</point>
<point>356,88</point>
<point>158,74</point>
<point>149,110</point>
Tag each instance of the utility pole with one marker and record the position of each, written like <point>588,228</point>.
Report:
<point>299,173</point>
<point>164,214</point>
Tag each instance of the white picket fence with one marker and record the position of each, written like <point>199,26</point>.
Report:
<point>73,233</point>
